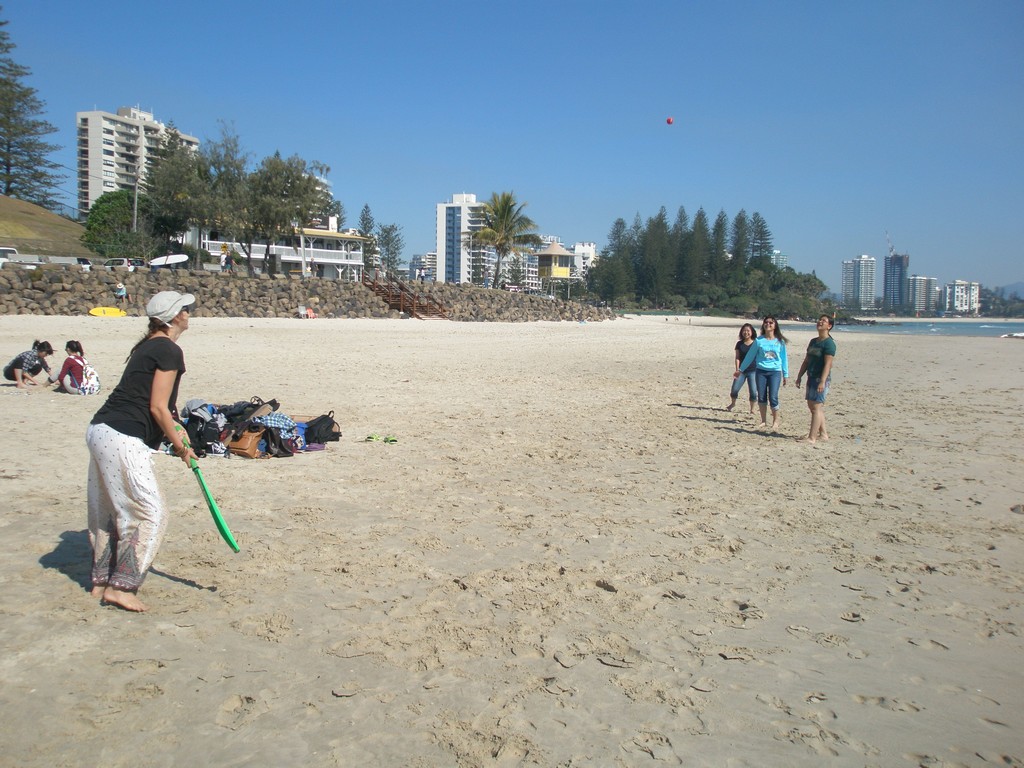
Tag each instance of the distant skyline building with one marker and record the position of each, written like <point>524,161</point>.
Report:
<point>859,282</point>
<point>458,259</point>
<point>586,257</point>
<point>423,266</point>
<point>780,260</point>
<point>894,281</point>
<point>922,293</point>
<point>116,151</point>
<point>962,297</point>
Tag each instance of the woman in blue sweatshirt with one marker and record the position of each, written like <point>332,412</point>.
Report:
<point>768,353</point>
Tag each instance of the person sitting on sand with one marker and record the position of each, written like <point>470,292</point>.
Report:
<point>818,367</point>
<point>25,366</point>
<point>127,515</point>
<point>769,356</point>
<point>76,376</point>
<point>747,337</point>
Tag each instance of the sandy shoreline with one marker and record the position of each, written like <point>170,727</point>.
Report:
<point>573,556</point>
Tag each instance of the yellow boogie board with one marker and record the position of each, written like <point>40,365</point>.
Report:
<point>107,312</point>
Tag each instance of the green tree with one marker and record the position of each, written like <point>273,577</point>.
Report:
<point>391,244</point>
<point>109,229</point>
<point>368,229</point>
<point>26,172</point>
<point>718,257</point>
<point>284,194</point>
<point>612,277</point>
<point>656,274</point>
<point>696,256</point>
<point>761,246</point>
<point>516,269</point>
<point>739,244</point>
<point>505,228</point>
<point>224,172</point>
<point>174,187</point>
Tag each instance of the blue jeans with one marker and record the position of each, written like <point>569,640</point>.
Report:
<point>768,383</point>
<point>737,384</point>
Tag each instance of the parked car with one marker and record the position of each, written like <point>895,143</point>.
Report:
<point>132,264</point>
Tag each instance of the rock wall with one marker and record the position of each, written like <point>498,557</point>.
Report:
<point>54,289</point>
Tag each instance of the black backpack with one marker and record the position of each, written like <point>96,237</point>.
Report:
<point>323,429</point>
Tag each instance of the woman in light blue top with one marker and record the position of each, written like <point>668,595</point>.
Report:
<point>768,353</point>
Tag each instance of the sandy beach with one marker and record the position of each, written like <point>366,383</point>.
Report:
<point>573,556</point>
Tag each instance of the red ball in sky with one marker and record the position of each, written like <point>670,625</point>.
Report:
<point>670,120</point>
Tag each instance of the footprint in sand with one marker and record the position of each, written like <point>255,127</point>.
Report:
<point>827,639</point>
<point>655,744</point>
<point>239,711</point>
<point>893,705</point>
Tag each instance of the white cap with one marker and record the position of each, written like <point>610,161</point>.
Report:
<point>166,305</point>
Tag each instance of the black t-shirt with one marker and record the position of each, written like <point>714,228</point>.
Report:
<point>127,407</point>
<point>741,352</point>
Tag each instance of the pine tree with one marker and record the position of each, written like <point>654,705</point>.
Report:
<point>368,228</point>
<point>25,170</point>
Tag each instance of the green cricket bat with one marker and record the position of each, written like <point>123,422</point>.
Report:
<point>218,519</point>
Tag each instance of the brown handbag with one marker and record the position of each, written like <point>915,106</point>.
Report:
<point>246,444</point>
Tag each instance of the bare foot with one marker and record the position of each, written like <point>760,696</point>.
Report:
<point>805,439</point>
<point>776,423</point>
<point>127,600</point>
<point>97,591</point>
<point>822,436</point>
<point>730,406</point>
<point>762,425</point>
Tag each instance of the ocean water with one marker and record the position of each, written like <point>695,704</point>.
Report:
<point>931,328</point>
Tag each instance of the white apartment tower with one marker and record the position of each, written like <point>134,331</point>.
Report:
<point>458,259</point>
<point>859,283</point>
<point>921,293</point>
<point>116,151</point>
<point>962,297</point>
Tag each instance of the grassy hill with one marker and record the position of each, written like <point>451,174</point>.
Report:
<point>35,230</point>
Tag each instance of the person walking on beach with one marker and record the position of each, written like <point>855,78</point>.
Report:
<point>747,337</point>
<point>817,364</point>
<point>127,514</point>
<point>25,366</point>
<point>769,356</point>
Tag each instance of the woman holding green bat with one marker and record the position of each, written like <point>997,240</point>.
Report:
<point>127,514</point>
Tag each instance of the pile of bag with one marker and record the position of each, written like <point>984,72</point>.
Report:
<point>254,428</point>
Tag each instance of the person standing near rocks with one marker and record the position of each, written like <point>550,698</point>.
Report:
<point>127,513</point>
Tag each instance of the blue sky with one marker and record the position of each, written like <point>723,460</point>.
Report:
<point>837,122</point>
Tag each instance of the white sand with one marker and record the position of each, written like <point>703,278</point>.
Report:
<point>573,556</point>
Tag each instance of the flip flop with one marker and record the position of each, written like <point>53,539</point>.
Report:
<point>372,438</point>
<point>390,439</point>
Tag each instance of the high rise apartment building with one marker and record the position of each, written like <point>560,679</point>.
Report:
<point>116,151</point>
<point>780,260</point>
<point>921,293</point>
<point>459,259</point>
<point>894,281</point>
<point>859,283</point>
<point>962,297</point>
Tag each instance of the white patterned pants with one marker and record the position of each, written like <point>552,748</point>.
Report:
<point>127,515</point>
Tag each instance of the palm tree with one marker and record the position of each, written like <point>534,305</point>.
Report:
<point>505,228</point>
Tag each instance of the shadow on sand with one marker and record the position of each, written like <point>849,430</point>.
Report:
<point>73,557</point>
<point>727,423</point>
